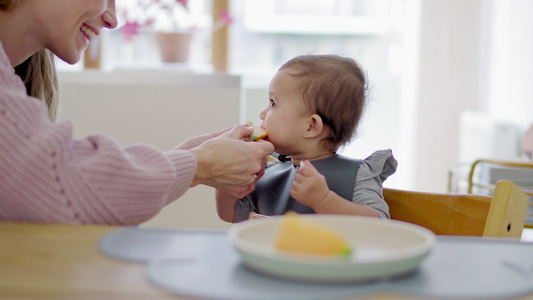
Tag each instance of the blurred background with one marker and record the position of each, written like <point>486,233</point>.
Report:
<point>450,80</point>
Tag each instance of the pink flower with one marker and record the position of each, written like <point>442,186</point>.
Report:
<point>130,29</point>
<point>224,20</point>
<point>164,15</point>
<point>225,17</point>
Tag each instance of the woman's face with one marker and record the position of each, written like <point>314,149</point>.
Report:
<point>66,27</point>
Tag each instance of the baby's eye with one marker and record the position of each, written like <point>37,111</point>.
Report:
<point>272,103</point>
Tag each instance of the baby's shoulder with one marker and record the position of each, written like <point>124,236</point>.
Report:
<point>380,163</point>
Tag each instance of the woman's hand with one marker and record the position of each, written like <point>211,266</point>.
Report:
<point>228,163</point>
<point>309,186</point>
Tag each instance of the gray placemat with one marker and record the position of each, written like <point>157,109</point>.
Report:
<point>142,245</point>
<point>202,263</point>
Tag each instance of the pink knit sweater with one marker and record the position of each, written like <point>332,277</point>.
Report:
<point>48,176</point>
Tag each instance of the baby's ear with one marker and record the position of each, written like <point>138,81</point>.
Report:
<point>315,126</point>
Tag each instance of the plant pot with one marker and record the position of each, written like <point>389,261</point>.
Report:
<point>174,47</point>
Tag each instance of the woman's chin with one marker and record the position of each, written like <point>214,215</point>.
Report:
<point>74,53</point>
<point>71,59</point>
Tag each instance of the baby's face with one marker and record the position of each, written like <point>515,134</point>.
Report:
<point>285,118</point>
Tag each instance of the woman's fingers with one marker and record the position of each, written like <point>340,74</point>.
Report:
<point>224,163</point>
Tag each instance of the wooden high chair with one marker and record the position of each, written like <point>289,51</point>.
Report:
<point>514,165</point>
<point>478,178</point>
<point>503,215</point>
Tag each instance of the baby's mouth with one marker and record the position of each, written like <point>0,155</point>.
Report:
<point>87,32</point>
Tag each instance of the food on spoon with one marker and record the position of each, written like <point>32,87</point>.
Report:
<point>299,235</point>
<point>258,133</point>
<point>271,158</point>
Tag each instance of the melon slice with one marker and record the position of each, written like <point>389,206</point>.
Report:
<point>258,133</point>
<point>298,235</point>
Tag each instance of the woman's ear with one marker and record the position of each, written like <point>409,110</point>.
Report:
<point>315,126</point>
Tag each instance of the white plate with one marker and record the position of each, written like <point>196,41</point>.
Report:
<point>381,249</point>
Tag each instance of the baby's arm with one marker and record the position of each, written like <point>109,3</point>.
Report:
<point>225,206</point>
<point>310,188</point>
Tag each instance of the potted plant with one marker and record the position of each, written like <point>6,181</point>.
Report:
<point>170,20</point>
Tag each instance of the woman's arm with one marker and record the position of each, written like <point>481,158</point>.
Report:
<point>48,176</point>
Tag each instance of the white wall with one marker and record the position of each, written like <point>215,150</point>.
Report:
<point>474,56</point>
<point>161,108</point>
<point>510,61</point>
<point>448,76</point>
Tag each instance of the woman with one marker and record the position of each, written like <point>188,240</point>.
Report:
<point>47,176</point>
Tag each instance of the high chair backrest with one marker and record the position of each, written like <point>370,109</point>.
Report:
<point>517,171</point>
<point>503,215</point>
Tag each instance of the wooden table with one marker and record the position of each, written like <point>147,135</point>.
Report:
<point>50,261</point>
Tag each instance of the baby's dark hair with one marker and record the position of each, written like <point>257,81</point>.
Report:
<point>333,87</point>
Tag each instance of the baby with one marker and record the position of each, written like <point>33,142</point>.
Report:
<point>316,103</point>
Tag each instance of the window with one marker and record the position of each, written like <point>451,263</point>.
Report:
<point>268,33</point>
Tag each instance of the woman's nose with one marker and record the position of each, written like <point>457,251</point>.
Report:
<point>109,16</point>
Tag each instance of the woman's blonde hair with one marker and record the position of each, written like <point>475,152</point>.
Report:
<point>38,72</point>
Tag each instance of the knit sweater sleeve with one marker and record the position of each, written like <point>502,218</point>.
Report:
<point>48,176</point>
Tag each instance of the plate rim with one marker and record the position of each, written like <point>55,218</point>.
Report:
<point>279,255</point>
